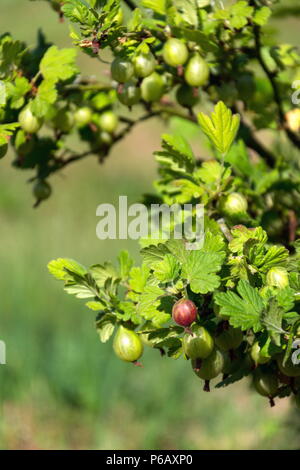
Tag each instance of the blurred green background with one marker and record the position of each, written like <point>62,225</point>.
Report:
<point>61,388</point>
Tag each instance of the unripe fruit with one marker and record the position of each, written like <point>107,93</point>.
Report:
<point>3,150</point>
<point>199,344</point>
<point>129,95</point>
<point>185,96</point>
<point>229,339</point>
<point>121,70</point>
<point>144,65</point>
<point>108,121</point>
<point>184,312</point>
<point>83,116</point>
<point>266,384</point>
<point>29,122</point>
<point>41,190</point>
<point>257,356</point>
<point>127,345</point>
<point>210,367</point>
<point>234,204</point>
<point>278,277</point>
<point>197,71</point>
<point>175,52</point>
<point>64,120</point>
<point>105,138</point>
<point>289,369</point>
<point>152,87</point>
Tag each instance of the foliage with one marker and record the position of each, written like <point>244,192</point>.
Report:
<point>232,65</point>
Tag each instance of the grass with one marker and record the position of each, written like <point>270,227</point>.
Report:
<point>61,388</point>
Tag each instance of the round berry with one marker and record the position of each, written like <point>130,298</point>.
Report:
<point>175,52</point>
<point>198,343</point>
<point>127,345</point>
<point>197,71</point>
<point>121,70</point>
<point>184,312</point>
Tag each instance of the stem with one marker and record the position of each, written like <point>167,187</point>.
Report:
<point>62,163</point>
<point>130,4</point>
<point>271,76</point>
<point>206,387</point>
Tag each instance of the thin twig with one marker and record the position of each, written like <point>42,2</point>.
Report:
<point>272,79</point>
<point>130,4</point>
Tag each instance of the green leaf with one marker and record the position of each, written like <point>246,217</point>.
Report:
<point>159,6</point>
<point>212,173</point>
<point>46,95</point>
<point>105,326</point>
<point>221,128</point>
<point>286,298</point>
<point>125,262</point>
<point>272,320</point>
<point>275,256</point>
<point>241,235</point>
<point>149,304</point>
<point>79,12</point>
<point>262,15</point>
<point>80,291</point>
<point>240,12</point>
<point>95,305</point>
<point>173,346</point>
<point>17,91</point>
<point>103,272</point>
<point>244,310</point>
<point>139,278</point>
<point>176,155</point>
<point>62,268</point>
<point>178,249</point>
<point>185,12</point>
<point>58,64</point>
<point>168,269</point>
<point>128,312</point>
<point>153,254</point>
<point>7,130</point>
<point>200,271</point>
<point>214,243</point>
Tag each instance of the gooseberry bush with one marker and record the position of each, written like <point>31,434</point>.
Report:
<point>231,308</point>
